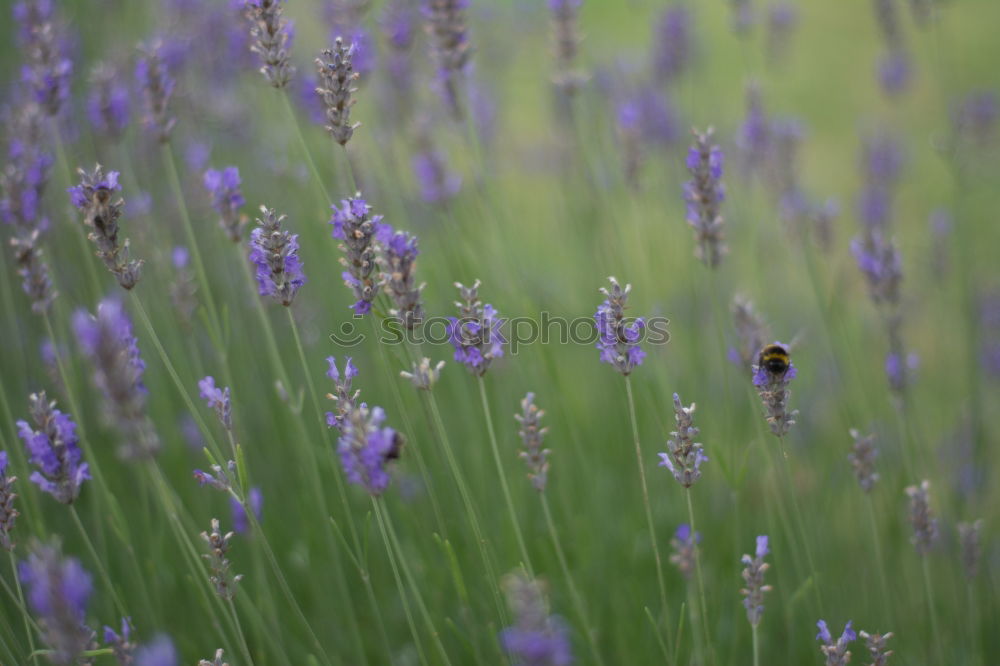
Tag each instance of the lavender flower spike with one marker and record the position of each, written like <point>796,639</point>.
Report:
<point>58,589</point>
<point>345,398</point>
<point>121,644</point>
<point>94,198</point>
<point>704,194</point>
<point>275,254</point>
<point>158,652</point>
<point>354,224</point>
<point>968,539</point>
<point>536,636</point>
<point>876,647</point>
<point>227,198</point>
<point>476,333</point>
<point>684,456</point>
<point>272,39</point>
<point>862,458</point>
<point>218,400</point>
<point>157,87</point>
<point>366,447</point>
<point>753,576</point>
<point>771,383</point>
<point>215,662</point>
<point>218,547</point>
<point>532,433</point>
<point>52,447</point>
<point>34,272</point>
<point>8,514</point>
<point>423,375</point>
<point>450,43</point>
<point>685,545</point>
<point>108,103</point>
<point>337,78</point>
<point>751,332</point>
<point>46,71</point>
<point>921,518</point>
<point>397,259</point>
<point>836,652</point>
<point>107,340</point>
<point>566,43</point>
<point>618,336</point>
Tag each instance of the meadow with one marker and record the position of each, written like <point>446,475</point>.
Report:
<point>320,290</point>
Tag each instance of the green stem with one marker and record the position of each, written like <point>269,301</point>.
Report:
<point>664,608</point>
<point>239,631</point>
<point>701,578</point>
<point>932,610</point>
<point>800,524</point>
<point>756,645</point>
<point>574,592</point>
<point>28,621</point>
<point>98,562</point>
<point>305,147</point>
<point>503,478</point>
<point>879,561</point>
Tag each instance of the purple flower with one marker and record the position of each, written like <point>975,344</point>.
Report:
<point>684,544</point>
<point>227,198</point>
<point>618,335</point>
<point>685,456</point>
<point>107,341</point>
<point>108,103</point>
<point>52,447</point>
<point>58,589</point>
<point>397,259</point>
<point>475,334</point>
<point>121,644</point>
<point>754,135</point>
<point>366,447</point>
<point>47,70</point>
<point>925,528</point>
<point>275,254</point>
<point>535,637</point>
<point>336,81</point>
<point>450,43</point>
<point>894,72</point>
<point>218,400</point>
<point>704,195</point>
<point>771,379</point>
<point>344,397</point>
<point>8,514</point>
<point>356,228</point>
<point>157,87</point>
<point>836,653</point>
<point>753,577</point>
<point>437,183</point>
<point>101,212</point>
<point>159,652</point>
<point>241,523</point>
<point>671,44</point>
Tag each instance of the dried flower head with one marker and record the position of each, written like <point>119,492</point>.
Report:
<point>218,547</point>
<point>337,79</point>
<point>618,335</point>
<point>8,514</point>
<point>423,375</point>
<point>876,647</point>
<point>271,38</point>
<point>476,333</point>
<point>275,254</point>
<point>534,455</point>
<point>94,197</point>
<point>921,518</point>
<point>684,456</point>
<point>753,576</point>
<point>52,447</point>
<point>862,458</point>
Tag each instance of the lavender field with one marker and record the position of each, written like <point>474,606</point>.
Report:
<point>311,355</point>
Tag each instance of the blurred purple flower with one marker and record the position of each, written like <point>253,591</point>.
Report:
<point>227,198</point>
<point>476,333</point>
<point>618,335</point>
<point>365,448</point>
<point>241,523</point>
<point>58,589</point>
<point>52,447</point>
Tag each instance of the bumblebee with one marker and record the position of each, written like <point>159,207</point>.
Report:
<point>774,358</point>
<point>396,448</point>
